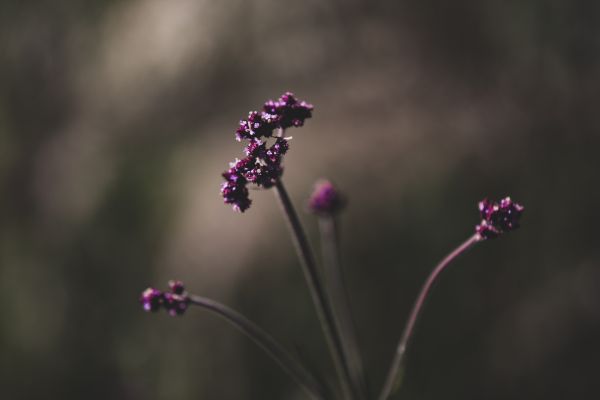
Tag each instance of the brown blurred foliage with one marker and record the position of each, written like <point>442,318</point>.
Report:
<point>117,118</point>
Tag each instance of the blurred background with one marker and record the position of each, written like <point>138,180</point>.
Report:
<point>117,118</point>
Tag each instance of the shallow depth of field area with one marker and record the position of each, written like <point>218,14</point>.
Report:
<point>117,120</point>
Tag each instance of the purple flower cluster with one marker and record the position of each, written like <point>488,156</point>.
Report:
<point>498,217</point>
<point>326,199</point>
<point>175,302</point>
<point>262,164</point>
<point>289,111</point>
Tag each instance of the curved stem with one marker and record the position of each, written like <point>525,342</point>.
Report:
<point>339,300</point>
<point>317,291</point>
<point>266,342</point>
<point>414,314</point>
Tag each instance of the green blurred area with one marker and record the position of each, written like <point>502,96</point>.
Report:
<point>117,118</point>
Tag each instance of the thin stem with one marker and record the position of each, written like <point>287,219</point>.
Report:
<point>339,301</point>
<point>416,310</point>
<point>317,291</point>
<point>267,343</point>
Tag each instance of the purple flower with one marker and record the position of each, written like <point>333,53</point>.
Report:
<point>498,217</point>
<point>236,194</point>
<point>234,190</point>
<point>289,110</point>
<point>176,287</point>
<point>256,126</point>
<point>175,302</point>
<point>151,299</point>
<point>256,148</point>
<point>266,173</point>
<point>262,164</point>
<point>279,148</point>
<point>326,199</point>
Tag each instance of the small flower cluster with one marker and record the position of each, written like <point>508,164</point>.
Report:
<point>498,217</point>
<point>175,302</point>
<point>262,164</point>
<point>326,199</point>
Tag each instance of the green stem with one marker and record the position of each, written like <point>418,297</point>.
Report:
<point>316,289</point>
<point>416,310</point>
<point>267,343</point>
<point>339,300</point>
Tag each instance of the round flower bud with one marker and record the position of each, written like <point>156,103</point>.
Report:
<point>326,199</point>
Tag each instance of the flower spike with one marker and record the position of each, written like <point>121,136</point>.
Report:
<point>174,302</point>
<point>262,165</point>
<point>498,217</point>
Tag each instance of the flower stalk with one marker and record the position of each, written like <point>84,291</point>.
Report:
<point>317,291</point>
<point>392,376</point>
<point>277,352</point>
<point>336,289</point>
<point>176,301</point>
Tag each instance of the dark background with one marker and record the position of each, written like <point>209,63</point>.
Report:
<point>117,118</point>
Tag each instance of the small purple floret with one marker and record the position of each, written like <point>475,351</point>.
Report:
<point>326,199</point>
<point>175,302</point>
<point>289,110</point>
<point>151,299</point>
<point>234,190</point>
<point>498,217</point>
<point>256,126</point>
<point>256,148</point>
<point>176,287</point>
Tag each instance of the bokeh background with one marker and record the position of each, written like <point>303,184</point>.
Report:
<point>117,118</point>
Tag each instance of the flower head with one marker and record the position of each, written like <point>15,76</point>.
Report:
<point>234,190</point>
<point>262,164</point>
<point>256,148</point>
<point>326,199</point>
<point>498,217</point>
<point>151,299</point>
<point>175,302</point>
<point>289,110</point>
<point>176,287</point>
<point>256,126</point>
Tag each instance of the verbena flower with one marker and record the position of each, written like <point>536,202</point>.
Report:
<point>498,217</point>
<point>289,110</point>
<point>174,302</point>
<point>256,126</point>
<point>326,199</point>
<point>234,190</point>
<point>176,287</point>
<point>262,164</point>
<point>256,148</point>
<point>151,299</point>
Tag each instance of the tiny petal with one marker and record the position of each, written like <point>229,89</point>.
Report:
<point>487,231</point>
<point>176,287</point>
<point>485,208</point>
<point>256,148</point>
<point>175,304</point>
<point>151,299</point>
<point>256,126</point>
<point>266,175</point>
